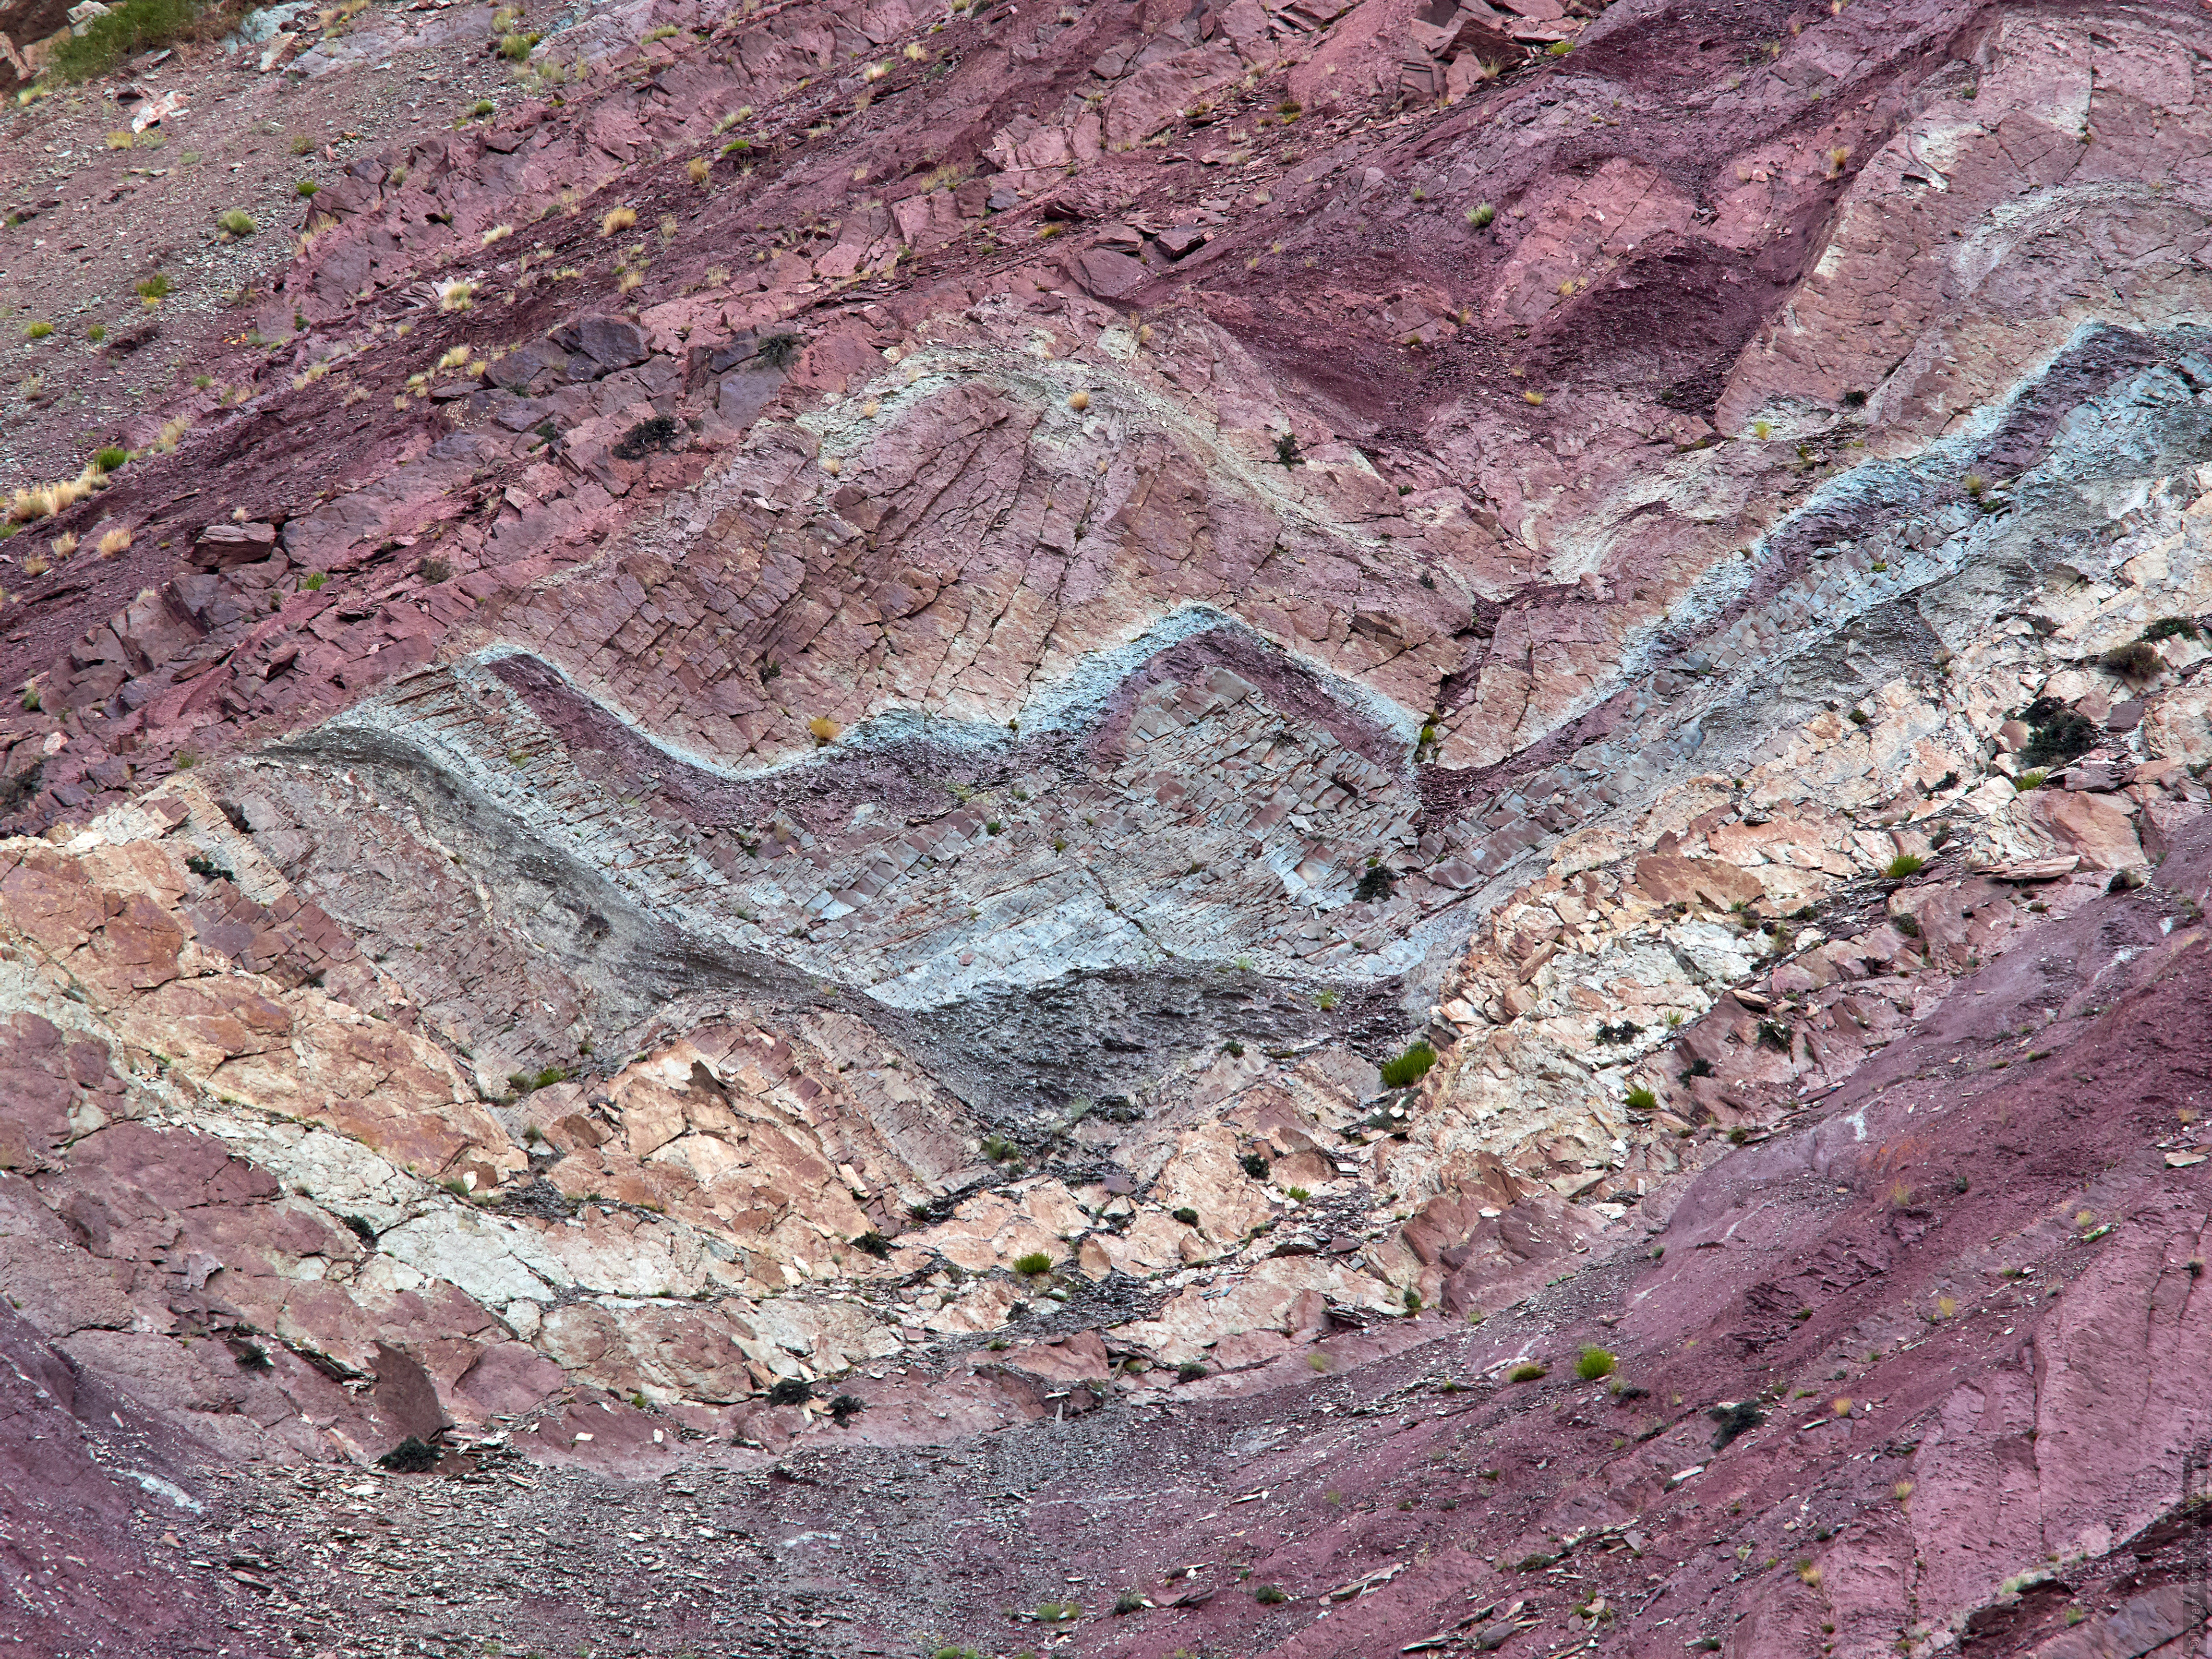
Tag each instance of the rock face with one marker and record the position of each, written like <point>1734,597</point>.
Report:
<point>1246,828</point>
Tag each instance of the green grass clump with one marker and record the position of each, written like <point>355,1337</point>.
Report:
<point>237,223</point>
<point>111,458</point>
<point>2027,781</point>
<point>1036,1261</point>
<point>1904,864</point>
<point>1409,1067</point>
<point>37,330</point>
<point>1527,1372</point>
<point>1481,215</point>
<point>134,26</point>
<point>1270,1596</point>
<point>1594,1365</point>
<point>156,287</point>
<point>306,187</point>
<point>1641,1099</point>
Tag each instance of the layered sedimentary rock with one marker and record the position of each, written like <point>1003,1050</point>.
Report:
<point>1409,796</point>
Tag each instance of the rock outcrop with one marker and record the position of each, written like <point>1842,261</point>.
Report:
<point>1408,795</point>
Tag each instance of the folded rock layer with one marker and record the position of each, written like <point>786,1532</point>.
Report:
<point>1167,829</point>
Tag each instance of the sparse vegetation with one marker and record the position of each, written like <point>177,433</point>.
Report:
<point>1595,1366</point>
<point>1904,864</point>
<point>1527,1372</point>
<point>111,459</point>
<point>1270,1596</point>
<point>1481,215</point>
<point>619,219</point>
<point>790,1391</point>
<point>236,223</point>
<point>1036,1262</point>
<point>1187,1216</point>
<point>1641,1099</point>
<point>134,26</point>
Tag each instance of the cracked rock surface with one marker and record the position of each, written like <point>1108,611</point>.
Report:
<point>1154,829</point>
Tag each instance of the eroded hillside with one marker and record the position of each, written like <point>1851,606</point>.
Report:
<point>1166,829</point>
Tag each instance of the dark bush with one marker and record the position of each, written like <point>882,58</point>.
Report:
<point>2056,733</point>
<point>2166,628</point>
<point>845,1407</point>
<point>1189,1371</point>
<point>790,1391</point>
<point>410,1456</point>
<point>661,432</point>
<point>778,350</point>
<point>1187,1216</point>
<point>1376,885</point>
<point>873,1244</point>
<point>1254,1165</point>
<point>362,1230</point>
<point>1627,1031</point>
<point>1740,1418</point>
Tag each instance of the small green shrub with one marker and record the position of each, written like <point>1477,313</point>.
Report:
<point>1036,1261</point>
<point>1641,1099</point>
<point>1059,1613</point>
<point>1189,1371</point>
<point>1254,1165</point>
<point>236,222</point>
<point>1409,1067</point>
<point>156,287</point>
<point>1904,864</point>
<point>111,458</point>
<point>481,107</point>
<point>1527,1372</point>
<point>2027,781</point>
<point>1270,1596</point>
<point>1480,215</point>
<point>37,330</point>
<point>2166,628</point>
<point>96,333</point>
<point>306,187</point>
<point>873,1243</point>
<point>1187,1216</point>
<point>790,1391</point>
<point>1594,1365</point>
<point>1128,1601</point>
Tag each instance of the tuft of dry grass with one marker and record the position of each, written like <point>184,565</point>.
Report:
<point>114,542</point>
<point>64,545</point>
<point>621,218</point>
<point>825,729</point>
<point>1079,401</point>
<point>698,168</point>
